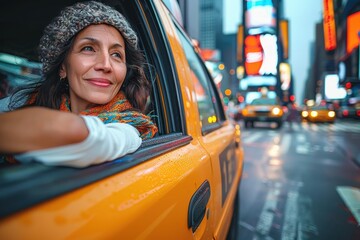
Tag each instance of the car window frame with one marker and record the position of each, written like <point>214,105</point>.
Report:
<point>213,90</point>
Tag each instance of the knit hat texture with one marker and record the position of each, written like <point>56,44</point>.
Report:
<point>73,19</point>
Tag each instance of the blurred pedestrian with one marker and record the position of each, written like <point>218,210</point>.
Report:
<point>292,114</point>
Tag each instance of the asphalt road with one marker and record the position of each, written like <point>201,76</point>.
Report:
<point>301,182</point>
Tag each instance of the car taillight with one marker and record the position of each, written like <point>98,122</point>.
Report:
<point>345,113</point>
<point>358,113</point>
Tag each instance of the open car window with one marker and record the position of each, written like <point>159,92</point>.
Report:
<point>20,66</point>
<point>207,95</point>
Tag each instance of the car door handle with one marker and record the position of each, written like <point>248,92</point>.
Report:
<point>197,206</point>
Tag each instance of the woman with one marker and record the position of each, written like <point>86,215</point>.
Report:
<point>93,73</point>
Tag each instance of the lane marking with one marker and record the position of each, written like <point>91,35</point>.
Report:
<point>351,197</point>
<point>285,143</point>
<point>247,226</point>
<point>305,125</point>
<point>314,127</point>
<point>296,127</point>
<point>302,147</point>
<point>267,214</point>
<point>306,224</point>
<point>252,138</point>
<point>291,212</point>
<point>301,138</point>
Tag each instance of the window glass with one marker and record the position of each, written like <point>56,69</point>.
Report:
<point>203,88</point>
<point>16,72</point>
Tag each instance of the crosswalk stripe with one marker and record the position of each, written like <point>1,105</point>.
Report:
<point>290,219</point>
<point>302,147</point>
<point>314,127</point>
<point>309,126</point>
<point>285,143</point>
<point>296,127</point>
<point>252,138</point>
<point>336,127</point>
<point>267,214</point>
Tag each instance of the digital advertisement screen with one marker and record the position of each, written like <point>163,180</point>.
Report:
<point>240,43</point>
<point>353,29</point>
<point>329,25</point>
<point>284,37</point>
<point>285,76</point>
<point>260,16</point>
<point>257,81</point>
<point>261,54</point>
<point>332,89</point>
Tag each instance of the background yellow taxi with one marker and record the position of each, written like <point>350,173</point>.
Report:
<point>320,113</point>
<point>182,184</point>
<point>263,109</point>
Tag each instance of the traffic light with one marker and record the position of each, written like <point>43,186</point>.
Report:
<point>292,98</point>
<point>240,99</point>
<point>348,85</point>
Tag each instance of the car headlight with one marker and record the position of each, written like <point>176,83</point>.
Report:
<point>331,114</point>
<point>247,111</point>
<point>313,114</point>
<point>304,114</point>
<point>276,111</point>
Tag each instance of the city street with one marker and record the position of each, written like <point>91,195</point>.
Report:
<point>301,182</point>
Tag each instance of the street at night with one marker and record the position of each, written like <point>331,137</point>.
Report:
<point>301,182</point>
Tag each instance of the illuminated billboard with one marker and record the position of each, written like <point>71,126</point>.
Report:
<point>332,89</point>
<point>353,30</point>
<point>285,76</point>
<point>240,43</point>
<point>284,37</point>
<point>329,25</point>
<point>260,16</point>
<point>261,55</point>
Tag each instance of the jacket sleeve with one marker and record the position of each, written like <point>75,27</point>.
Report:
<point>105,142</point>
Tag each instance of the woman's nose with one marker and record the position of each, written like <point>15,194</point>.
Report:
<point>103,62</point>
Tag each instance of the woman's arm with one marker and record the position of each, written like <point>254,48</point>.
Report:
<point>105,142</point>
<point>35,128</point>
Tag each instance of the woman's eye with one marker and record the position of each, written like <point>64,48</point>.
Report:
<point>117,55</point>
<point>87,48</point>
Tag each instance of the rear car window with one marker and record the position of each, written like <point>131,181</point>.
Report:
<point>16,72</point>
<point>264,101</point>
<point>209,103</point>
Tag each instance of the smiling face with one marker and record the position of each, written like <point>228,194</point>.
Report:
<point>95,66</point>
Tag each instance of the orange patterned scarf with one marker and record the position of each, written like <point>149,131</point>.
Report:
<point>120,110</point>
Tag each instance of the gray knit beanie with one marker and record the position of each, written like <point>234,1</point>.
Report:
<point>73,19</point>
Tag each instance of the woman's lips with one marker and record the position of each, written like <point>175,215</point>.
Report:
<point>100,82</point>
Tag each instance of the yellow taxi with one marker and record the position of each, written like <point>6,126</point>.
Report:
<point>263,109</point>
<point>182,184</point>
<point>320,113</point>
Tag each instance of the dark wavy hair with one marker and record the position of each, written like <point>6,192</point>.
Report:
<point>49,91</point>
